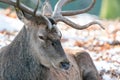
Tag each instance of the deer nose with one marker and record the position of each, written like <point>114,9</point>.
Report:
<point>65,65</point>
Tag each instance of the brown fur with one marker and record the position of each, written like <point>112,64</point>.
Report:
<point>86,65</point>
<point>82,67</point>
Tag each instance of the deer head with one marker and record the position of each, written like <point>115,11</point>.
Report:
<point>44,36</point>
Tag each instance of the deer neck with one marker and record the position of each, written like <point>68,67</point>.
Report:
<point>20,48</point>
<point>21,40</point>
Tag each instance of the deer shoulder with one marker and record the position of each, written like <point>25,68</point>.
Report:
<point>84,64</point>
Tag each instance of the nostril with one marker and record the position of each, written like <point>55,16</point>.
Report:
<point>64,65</point>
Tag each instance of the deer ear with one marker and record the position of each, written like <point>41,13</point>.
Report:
<point>20,14</point>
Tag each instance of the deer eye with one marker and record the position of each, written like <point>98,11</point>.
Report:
<point>41,37</point>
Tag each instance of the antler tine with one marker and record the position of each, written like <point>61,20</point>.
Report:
<point>46,8</point>
<point>58,6</point>
<point>18,2</point>
<point>75,12</point>
<point>8,2</point>
<point>36,7</point>
<point>76,26</point>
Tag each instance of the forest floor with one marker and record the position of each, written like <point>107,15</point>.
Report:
<point>102,45</point>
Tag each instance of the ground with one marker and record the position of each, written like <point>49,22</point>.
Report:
<point>102,45</point>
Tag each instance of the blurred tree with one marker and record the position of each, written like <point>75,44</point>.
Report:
<point>110,9</point>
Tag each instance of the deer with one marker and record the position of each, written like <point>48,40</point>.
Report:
<point>36,52</point>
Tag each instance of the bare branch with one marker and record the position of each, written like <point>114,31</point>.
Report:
<point>75,12</point>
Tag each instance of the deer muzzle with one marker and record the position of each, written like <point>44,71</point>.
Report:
<point>64,65</point>
<point>63,62</point>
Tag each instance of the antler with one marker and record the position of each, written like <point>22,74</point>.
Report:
<point>27,10</point>
<point>69,13</point>
<point>58,15</point>
<point>22,6</point>
<point>46,8</point>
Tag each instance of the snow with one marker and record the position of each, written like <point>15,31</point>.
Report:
<point>9,24</point>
